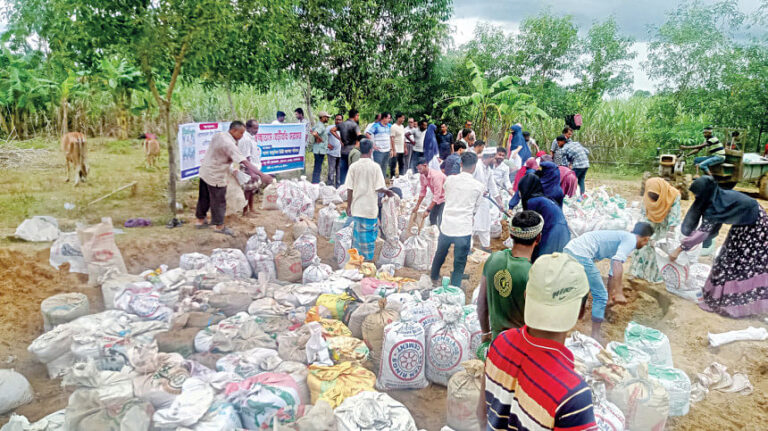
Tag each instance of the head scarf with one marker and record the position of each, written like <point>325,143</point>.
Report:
<point>519,141</point>
<point>430,143</point>
<point>719,206</point>
<point>530,166</point>
<point>550,181</point>
<point>546,158</point>
<point>657,211</point>
<point>568,181</point>
<point>530,187</point>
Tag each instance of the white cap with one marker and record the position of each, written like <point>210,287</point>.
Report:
<point>557,284</point>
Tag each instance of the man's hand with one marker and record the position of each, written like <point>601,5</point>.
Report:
<point>415,210</point>
<point>487,337</point>
<point>675,254</point>
<point>392,152</point>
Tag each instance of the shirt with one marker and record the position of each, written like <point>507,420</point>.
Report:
<point>222,152</point>
<point>506,278</point>
<point>435,180</point>
<point>353,156</point>
<point>452,165</point>
<point>500,175</point>
<point>335,143</point>
<point>364,178</point>
<point>398,134</point>
<point>603,244</point>
<point>715,147</point>
<point>531,385</point>
<point>418,136</point>
<point>348,131</point>
<point>461,136</point>
<point>557,154</point>
<point>444,143</point>
<point>250,149</point>
<point>463,195</point>
<point>576,155</point>
<point>277,122</point>
<point>381,134</point>
<point>307,129</point>
<point>322,146</point>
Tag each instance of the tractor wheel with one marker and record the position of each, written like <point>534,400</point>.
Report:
<point>646,176</point>
<point>762,186</point>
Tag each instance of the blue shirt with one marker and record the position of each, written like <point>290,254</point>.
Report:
<point>603,244</point>
<point>444,143</point>
<point>380,133</point>
<point>452,164</point>
<point>576,155</point>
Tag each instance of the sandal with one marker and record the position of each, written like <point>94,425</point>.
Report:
<point>205,225</point>
<point>225,231</point>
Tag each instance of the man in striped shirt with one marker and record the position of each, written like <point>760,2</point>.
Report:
<point>715,149</point>
<point>530,382</point>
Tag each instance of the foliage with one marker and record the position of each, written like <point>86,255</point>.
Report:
<point>605,70</point>
<point>546,45</point>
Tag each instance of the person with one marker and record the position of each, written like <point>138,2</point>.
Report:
<point>467,136</point>
<point>214,169</point>
<point>334,154</point>
<point>550,181</point>
<point>418,134</point>
<point>556,234</point>
<point>557,155</point>
<point>735,140</point>
<point>501,301</point>
<point>532,145</point>
<point>433,180</point>
<point>444,141</point>
<point>568,180</point>
<point>398,141</point>
<point>364,180</point>
<point>615,245</point>
<point>251,151</point>
<point>410,141</point>
<point>383,146</point>
<point>463,195</point>
<point>299,114</point>
<point>516,140</point>
<point>354,155</point>
<point>320,145</point>
<point>482,227</point>
<point>279,118</point>
<point>347,132</point>
<point>737,286</point>
<point>576,157</point>
<point>661,208</point>
<point>452,165</point>
<point>431,151</point>
<point>370,125</point>
<point>500,171</point>
<point>530,381</point>
<point>530,168</point>
<point>715,149</point>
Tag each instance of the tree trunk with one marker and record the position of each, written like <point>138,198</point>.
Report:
<point>64,120</point>
<point>232,115</point>
<point>171,156</point>
<point>308,102</point>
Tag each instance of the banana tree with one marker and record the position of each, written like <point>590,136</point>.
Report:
<point>121,79</point>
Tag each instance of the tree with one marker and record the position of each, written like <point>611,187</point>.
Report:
<point>605,70</point>
<point>121,79</point>
<point>492,50</point>
<point>545,45</point>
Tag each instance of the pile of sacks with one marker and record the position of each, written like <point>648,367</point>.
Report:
<point>634,383</point>
<point>599,210</point>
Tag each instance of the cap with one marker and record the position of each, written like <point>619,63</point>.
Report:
<point>322,114</point>
<point>489,151</point>
<point>557,284</point>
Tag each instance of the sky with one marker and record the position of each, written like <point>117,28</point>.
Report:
<point>635,18</point>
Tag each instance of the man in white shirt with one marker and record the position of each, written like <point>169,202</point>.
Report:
<point>214,169</point>
<point>279,118</point>
<point>334,154</point>
<point>410,141</point>
<point>418,146</point>
<point>383,148</point>
<point>252,152</point>
<point>397,132</point>
<point>299,114</point>
<point>364,181</point>
<point>470,137</point>
<point>500,171</point>
<point>482,225</point>
<point>463,197</point>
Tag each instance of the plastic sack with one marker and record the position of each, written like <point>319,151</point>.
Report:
<point>373,329</point>
<point>232,262</point>
<point>143,301</point>
<point>100,252</point>
<point>372,411</point>
<point>325,219</point>
<point>389,207</point>
<point>425,312</point>
<point>63,308</point>
<point>265,398</point>
<point>334,328</point>
<point>607,415</point>
<point>342,244</point>
<point>190,261</point>
<point>304,225</point>
<point>392,253</point>
<point>316,347</point>
<point>329,195</point>
<point>416,251</point>
<point>269,200</point>
<point>188,408</point>
<point>628,356</point>
<point>348,349</point>
<point>257,240</point>
<point>402,364</point>
<point>447,345</point>
<point>38,229</point>
<point>262,261</point>
<point>319,418</point>
<point>316,272</point>
<point>676,276</point>
<point>86,411</point>
<point>66,249</point>
<point>277,246</point>
<point>374,286</point>
<point>677,384</point>
<point>585,351</point>
<point>464,395</point>
<point>652,341</point>
<point>472,321</point>
<point>450,295</point>
<point>250,362</point>
<point>221,416</point>
<point>643,400</point>
<point>336,383</point>
<point>336,304</point>
<point>368,306</point>
<point>236,333</point>
<point>288,265</point>
<point>291,345</point>
<point>15,390</point>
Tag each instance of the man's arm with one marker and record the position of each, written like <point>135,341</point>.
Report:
<point>391,146</point>
<point>335,132</point>
<point>482,310</point>
<point>615,278</point>
<point>350,192</point>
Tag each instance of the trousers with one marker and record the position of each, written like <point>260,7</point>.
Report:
<point>460,253</point>
<point>211,198</point>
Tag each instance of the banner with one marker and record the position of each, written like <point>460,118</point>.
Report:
<point>282,146</point>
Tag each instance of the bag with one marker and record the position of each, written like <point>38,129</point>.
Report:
<point>675,276</point>
<point>316,272</point>
<point>417,252</point>
<point>264,398</point>
<point>607,415</point>
<point>447,345</point>
<point>63,308</point>
<point>643,400</point>
<point>342,244</point>
<point>403,350</point>
<point>628,356</point>
<point>677,384</point>
<point>368,306</point>
<point>373,411</point>
<point>100,252</point>
<point>392,252</point>
<point>348,349</point>
<point>329,195</point>
<point>303,226</point>
<point>585,350</point>
<point>262,261</point>
<point>425,312</point>
<point>221,416</point>
<point>373,329</point>
<point>257,240</point>
<point>319,418</point>
<point>143,301</point>
<point>389,207</point>
<point>336,383</point>
<point>325,219</point>
<point>450,295</point>
<point>38,229</point>
<point>292,345</point>
<point>66,249</point>
<point>190,261</point>
<point>15,391</point>
<point>306,244</point>
<point>231,262</point>
<point>191,405</point>
<point>651,341</point>
<point>288,264</point>
<point>464,395</point>
<point>336,304</point>
<point>250,362</point>
<point>269,200</point>
<point>317,348</point>
<point>374,286</point>
<point>472,321</point>
<point>298,372</point>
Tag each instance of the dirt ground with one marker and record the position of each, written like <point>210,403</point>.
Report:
<point>26,279</point>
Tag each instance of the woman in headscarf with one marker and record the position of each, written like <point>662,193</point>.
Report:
<point>531,167</point>
<point>517,140</point>
<point>550,181</point>
<point>661,208</point>
<point>430,147</point>
<point>555,234</point>
<point>737,286</point>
